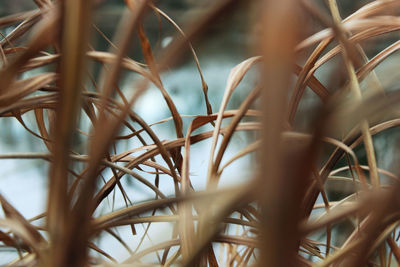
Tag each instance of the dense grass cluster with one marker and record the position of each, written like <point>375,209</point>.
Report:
<point>317,192</point>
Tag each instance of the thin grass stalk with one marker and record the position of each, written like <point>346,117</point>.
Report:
<point>76,20</point>
<point>278,220</point>
<point>356,91</point>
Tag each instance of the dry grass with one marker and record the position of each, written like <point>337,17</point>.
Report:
<point>286,215</point>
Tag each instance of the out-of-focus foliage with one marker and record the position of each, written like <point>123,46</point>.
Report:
<point>317,100</point>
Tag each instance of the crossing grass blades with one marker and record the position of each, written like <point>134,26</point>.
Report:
<point>286,213</point>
